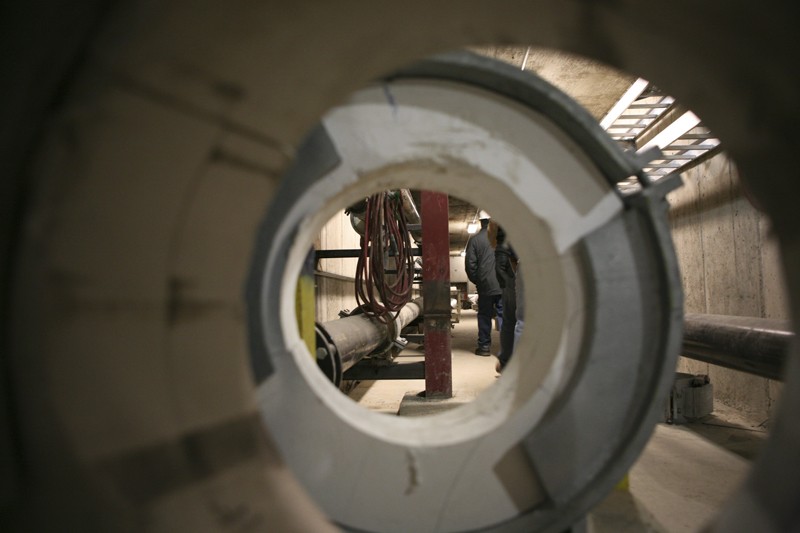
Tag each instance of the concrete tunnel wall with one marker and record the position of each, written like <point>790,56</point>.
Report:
<point>728,256</point>
<point>166,70</point>
<point>730,266</point>
<point>334,279</point>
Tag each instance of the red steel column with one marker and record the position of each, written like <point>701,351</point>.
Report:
<point>436,295</point>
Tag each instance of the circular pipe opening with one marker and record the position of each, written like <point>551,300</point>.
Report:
<point>554,196</point>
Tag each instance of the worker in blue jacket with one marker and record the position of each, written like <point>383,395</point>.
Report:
<point>480,267</point>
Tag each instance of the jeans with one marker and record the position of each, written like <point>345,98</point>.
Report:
<point>487,306</point>
<point>518,331</point>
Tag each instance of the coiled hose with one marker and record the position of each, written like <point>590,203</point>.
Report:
<point>380,294</point>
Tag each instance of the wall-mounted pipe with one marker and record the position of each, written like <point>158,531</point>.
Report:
<point>344,342</point>
<point>749,344</point>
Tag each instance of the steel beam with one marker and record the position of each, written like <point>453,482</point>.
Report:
<point>351,252</point>
<point>436,295</point>
<point>364,371</point>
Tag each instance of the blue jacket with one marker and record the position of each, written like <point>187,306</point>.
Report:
<point>480,265</point>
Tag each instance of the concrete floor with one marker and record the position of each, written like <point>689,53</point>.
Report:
<point>681,479</point>
<point>472,374</point>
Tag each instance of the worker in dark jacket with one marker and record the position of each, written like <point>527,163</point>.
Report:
<point>480,269</point>
<point>505,265</point>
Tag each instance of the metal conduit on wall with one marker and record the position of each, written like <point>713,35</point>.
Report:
<point>132,401</point>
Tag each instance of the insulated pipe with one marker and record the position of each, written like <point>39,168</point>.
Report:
<point>344,342</point>
<point>358,211</point>
<point>412,215</point>
<point>754,345</point>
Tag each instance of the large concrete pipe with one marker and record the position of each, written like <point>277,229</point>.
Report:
<point>141,143</point>
<point>603,305</point>
<point>344,342</point>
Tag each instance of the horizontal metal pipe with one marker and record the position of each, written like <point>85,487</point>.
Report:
<point>342,343</point>
<point>749,344</point>
<point>412,215</point>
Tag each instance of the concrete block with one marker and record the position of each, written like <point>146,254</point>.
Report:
<point>413,404</point>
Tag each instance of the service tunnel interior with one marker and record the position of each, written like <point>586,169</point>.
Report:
<point>275,268</point>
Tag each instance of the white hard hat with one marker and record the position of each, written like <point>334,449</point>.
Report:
<point>483,215</point>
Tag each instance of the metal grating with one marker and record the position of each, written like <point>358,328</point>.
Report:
<point>698,142</point>
<point>681,141</point>
<point>637,117</point>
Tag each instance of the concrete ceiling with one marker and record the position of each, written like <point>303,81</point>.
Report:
<point>595,86</point>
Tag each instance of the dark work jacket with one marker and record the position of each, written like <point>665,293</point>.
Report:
<point>479,264</point>
<point>504,256</point>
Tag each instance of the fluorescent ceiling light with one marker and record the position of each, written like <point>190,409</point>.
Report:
<point>672,132</point>
<point>630,96</point>
<point>472,227</point>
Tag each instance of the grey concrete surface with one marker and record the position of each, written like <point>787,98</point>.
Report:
<point>678,484</point>
<point>730,266</point>
<point>472,374</point>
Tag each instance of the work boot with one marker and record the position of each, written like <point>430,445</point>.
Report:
<point>482,351</point>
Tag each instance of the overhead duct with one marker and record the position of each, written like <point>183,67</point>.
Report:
<point>412,215</point>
